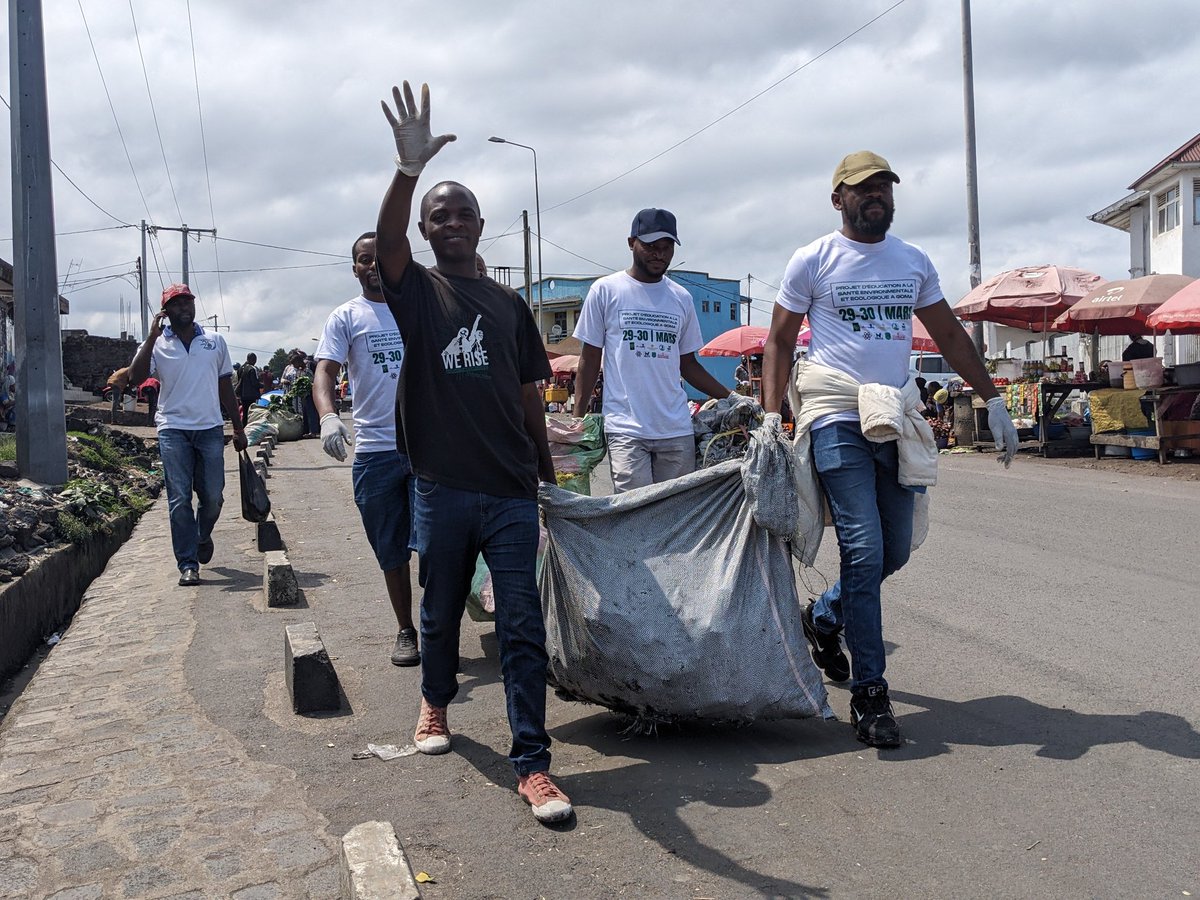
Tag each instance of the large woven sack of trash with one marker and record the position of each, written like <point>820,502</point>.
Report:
<point>670,603</point>
<point>722,429</point>
<point>257,429</point>
<point>576,448</point>
<point>288,425</point>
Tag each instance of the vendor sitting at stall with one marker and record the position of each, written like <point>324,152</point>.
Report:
<point>1139,348</point>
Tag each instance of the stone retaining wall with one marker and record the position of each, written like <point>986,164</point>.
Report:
<point>45,597</point>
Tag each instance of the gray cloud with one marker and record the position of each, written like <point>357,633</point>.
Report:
<point>1073,100</point>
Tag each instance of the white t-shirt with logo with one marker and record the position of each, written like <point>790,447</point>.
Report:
<point>365,335</point>
<point>859,299</point>
<point>188,398</point>
<point>643,330</point>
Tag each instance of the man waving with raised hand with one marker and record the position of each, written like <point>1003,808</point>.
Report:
<point>477,445</point>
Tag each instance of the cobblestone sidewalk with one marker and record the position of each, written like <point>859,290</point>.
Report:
<point>114,783</point>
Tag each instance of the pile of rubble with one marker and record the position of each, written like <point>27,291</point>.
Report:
<point>111,473</point>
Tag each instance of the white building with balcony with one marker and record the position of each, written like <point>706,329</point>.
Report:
<point>1162,219</point>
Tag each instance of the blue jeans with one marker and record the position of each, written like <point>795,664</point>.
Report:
<point>192,461</point>
<point>873,515</point>
<point>382,493</point>
<point>450,529</point>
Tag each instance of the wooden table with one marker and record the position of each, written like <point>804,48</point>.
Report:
<point>1051,397</point>
<point>1163,399</point>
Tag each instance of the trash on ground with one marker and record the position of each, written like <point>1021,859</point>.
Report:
<point>384,751</point>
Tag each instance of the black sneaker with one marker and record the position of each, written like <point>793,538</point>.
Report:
<point>405,652</point>
<point>872,717</point>
<point>204,552</point>
<point>826,648</point>
<point>189,577</point>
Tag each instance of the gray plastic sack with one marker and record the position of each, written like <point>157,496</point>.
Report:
<point>669,602</point>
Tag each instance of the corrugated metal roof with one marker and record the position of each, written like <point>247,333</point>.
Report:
<point>1188,153</point>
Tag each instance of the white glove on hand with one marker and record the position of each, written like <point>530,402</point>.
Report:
<point>334,435</point>
<point>772,424</point>
<point>1001,426</point>
<point>415,143</point>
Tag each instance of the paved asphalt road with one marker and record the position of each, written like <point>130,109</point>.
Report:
<point>1042,656</point>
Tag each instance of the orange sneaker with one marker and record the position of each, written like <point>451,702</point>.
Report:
<point>433,734</point>
<point>548,802</point>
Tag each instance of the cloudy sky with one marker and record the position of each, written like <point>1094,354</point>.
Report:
<point>732,119</point>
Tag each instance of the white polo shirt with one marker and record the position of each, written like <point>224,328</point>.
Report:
<point>188,398</point>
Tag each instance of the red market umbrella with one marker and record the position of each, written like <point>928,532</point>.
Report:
<point>921,341</point>
<point>1180,314</point>
<point>561,365</point>
<point>746,340</point>
<point>1027,298</point>
<point>1121,307</point>
<point>741,341</point>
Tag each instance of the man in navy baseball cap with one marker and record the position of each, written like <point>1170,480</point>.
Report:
<point>651,225</point>
<point>643,327</point>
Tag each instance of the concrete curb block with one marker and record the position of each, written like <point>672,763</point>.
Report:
<point>266,535</point>
<point>374,866</point>
<point>311,679</point>
<point>264,455</point>
<point>261,468</point>
<point>279,580</point>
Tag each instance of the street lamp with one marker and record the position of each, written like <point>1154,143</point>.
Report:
<point>537,205</point>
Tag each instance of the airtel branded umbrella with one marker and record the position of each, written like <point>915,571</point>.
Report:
<point>1180,314</point>
<point>1122,306</point>
<point>1029,298</point>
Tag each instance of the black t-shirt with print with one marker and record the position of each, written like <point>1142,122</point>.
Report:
<point>469,346</point>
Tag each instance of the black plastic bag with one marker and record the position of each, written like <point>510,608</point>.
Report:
<point>256,505</point>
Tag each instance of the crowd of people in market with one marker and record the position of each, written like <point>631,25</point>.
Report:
<point>449,421</point>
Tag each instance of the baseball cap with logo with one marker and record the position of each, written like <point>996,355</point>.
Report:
<point>176,290</point>
<point>651,225</point>
<point>858,167</point>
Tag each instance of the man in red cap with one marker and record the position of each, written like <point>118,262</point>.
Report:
<point>197,382</point>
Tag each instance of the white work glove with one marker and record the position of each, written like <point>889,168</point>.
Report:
<point>415,143</point>
<point>1003,430</point>
<point>772,424</point>
<point>334,435</point>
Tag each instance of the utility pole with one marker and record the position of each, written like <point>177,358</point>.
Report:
<point>972,169</point>
<point>143,291</point>
<point>529,267</point>
<point>215,326</point>
<point>185,231</point>
<point>749,295</point>
<point>41,411</point>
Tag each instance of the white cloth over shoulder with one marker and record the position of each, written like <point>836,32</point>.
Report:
<point>885,413</point>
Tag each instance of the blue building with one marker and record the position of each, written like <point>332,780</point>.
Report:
<point>719,304</point>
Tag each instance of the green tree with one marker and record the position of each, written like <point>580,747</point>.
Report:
<point>278,363</point>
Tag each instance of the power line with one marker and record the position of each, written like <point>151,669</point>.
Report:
<point>267,268</point>
<point>341,256</point>
<point>204,151</point>
<point>59,234</point>
<point>725,116</point>
<point>153,111</point>
<point>78,188</point>
<point>116,121</point>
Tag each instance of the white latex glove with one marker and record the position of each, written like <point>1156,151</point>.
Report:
<point>334,435</point>
<point>1003,430</point>
<point>415,143</point>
